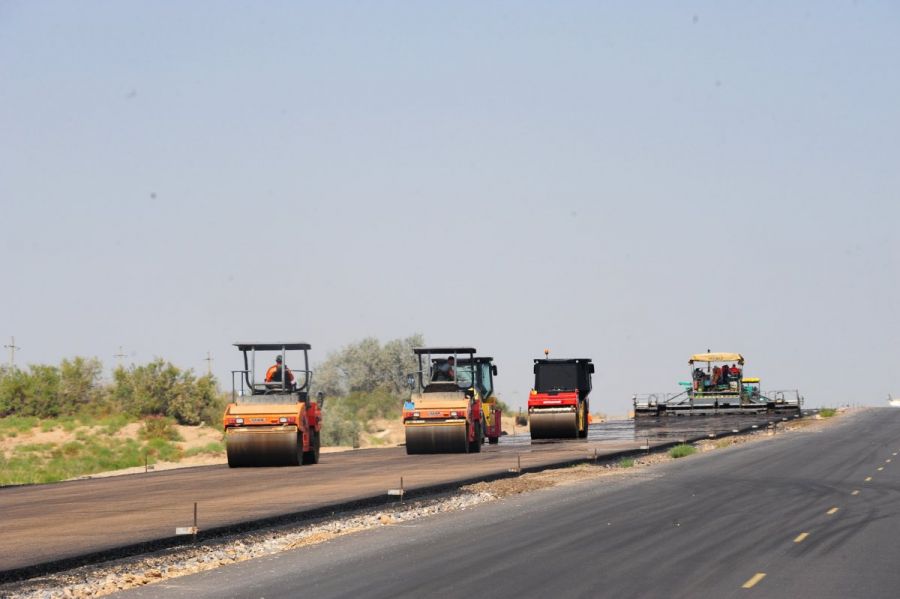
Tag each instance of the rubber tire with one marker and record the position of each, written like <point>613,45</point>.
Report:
<point>493,440</point>
<point>475,446</point>
<point>312,456</point>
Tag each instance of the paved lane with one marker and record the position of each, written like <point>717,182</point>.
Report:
<point>45,523</point>
<point>774,519</point>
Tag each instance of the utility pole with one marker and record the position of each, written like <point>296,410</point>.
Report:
<point>119,356</point>
<point>209,361</point>
<point>12,352</point>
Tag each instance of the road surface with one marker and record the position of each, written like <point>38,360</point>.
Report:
<point>46,524</point>
<point>811,514</point>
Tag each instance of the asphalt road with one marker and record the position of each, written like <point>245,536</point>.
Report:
<point>48,523</point>
<point>797,516</point>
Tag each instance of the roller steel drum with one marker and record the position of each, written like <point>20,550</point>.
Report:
<point>437,438</point>
<point>554,425</point>
<point>263,447</point>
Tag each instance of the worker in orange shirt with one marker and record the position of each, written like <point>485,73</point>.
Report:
<point>273,374</point>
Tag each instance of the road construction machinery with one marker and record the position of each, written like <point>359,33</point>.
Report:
<point>272,422</point>
<point>452,407</point>
<point>717,386</point>
<point>558,404</point>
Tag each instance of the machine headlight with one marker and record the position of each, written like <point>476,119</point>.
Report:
<point>415,414</point>
<point>454,414</point>
<point>283,420</point>
<point>239,421</point>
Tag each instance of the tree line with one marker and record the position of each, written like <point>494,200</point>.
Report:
<point>363,381</point>
<point>76,386</point>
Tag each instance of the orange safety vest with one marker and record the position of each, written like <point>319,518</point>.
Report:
<point>273,369</point>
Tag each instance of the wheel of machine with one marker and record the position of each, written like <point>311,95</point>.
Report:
<point>264,448</point>
<point>493,440</point>
<point>558,425</point>
<point>475,446</point>
<point>437,439</point>
<point>312,456</point>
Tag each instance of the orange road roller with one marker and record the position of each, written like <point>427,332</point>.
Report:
<point>272,422</point>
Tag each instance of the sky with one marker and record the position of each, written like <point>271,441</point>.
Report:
<point>629,182</point>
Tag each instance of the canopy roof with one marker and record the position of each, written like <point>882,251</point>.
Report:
<point>751,380</point>
<point>717,357</point>
<point>560,360</point>
<point>272,346</point>
<point>444,350</point>
<point>476,360</point>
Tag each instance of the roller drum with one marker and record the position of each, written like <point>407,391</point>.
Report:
<point>554,425</point>
<point>246,447</point>
<point>437,439</point>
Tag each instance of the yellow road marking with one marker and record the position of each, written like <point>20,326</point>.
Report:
<point>801,536</point>
<point>868,478</point>
<point>753,580</point>
<point>880,468</point>
<point>855,492</point>
<point>832,511</point>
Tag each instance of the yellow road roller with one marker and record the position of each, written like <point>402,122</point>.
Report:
<point>452,408</point>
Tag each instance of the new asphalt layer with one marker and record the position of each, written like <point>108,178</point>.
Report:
<point>811,514</point>
<point>56,526</point>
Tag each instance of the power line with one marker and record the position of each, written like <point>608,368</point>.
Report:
<point>119,356</point>
<point>12,347</point>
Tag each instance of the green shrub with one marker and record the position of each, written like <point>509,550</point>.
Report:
<point>110,425</point>
<point>17,424</point>
<point>162,449</point>
<point>827,412</point>
<point>160,388</point>
<point>346,417</point>
<point>626,463</point>
<point>682,450</point>
<point>159,427</point>
<point>213,447</point>
<point>212,413</point>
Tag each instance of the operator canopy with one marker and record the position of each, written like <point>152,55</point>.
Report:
<point>717,357</point>
<point>272,346</point>
<point>444,350</point>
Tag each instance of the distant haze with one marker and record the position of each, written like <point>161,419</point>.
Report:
<point>633,183</point>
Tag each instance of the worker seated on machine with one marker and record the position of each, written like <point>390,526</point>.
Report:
<point>701,380</point>
<point>445,370</point>
<point>274,373</point>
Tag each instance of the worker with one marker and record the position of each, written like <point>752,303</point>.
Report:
<point>446,371</point>
<point>273,374</point>
<point>735,372</point>
<point>716,376</point>
<point>698,379</point>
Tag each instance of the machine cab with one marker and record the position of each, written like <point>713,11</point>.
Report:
<point>555,376</point>
<point>285,384</point>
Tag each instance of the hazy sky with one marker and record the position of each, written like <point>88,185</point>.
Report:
<point>631,182</point>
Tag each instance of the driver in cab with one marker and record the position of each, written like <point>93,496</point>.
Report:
<point>445,371</point>
<point>274,373</point>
